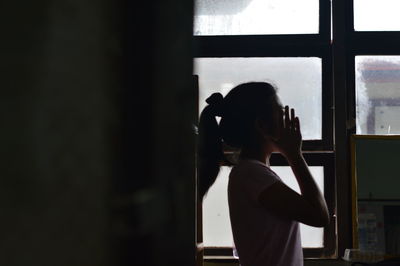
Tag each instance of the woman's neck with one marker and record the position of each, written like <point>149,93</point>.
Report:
<point>256,153</point>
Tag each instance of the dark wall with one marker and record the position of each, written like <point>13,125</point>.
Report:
<point>96,144</point>
<point>159,140</point>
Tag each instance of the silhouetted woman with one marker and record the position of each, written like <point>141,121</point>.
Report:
<point>264,212</point>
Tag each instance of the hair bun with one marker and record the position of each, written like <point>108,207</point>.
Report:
<point>215,98</point>
<point>216,102</point>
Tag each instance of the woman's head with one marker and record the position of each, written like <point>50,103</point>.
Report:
<point>242,107</point>
<point>240,111</point>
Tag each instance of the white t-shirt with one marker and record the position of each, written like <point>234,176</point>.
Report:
<point>261,238</point>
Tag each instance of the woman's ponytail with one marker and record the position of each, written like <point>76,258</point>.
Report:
<point>238,111</point>
<point>210,152</point>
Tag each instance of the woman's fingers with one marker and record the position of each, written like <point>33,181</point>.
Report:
<point>297,124</point>
<point>290,122</point>
<point>292,119</point>
<point>287,117</point>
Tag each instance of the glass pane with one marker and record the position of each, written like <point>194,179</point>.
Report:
<point>217,230</point>
<point>237,17</point>
<point>216,224</point>
<point>378,94</point>
<point>297,79</point>
<point>376,15</point>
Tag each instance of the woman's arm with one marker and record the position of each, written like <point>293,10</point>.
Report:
<point>309,207</point>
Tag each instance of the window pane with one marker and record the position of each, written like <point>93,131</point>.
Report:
<point>378,94</point>
<point>299,82</point>
<point>237,17</point>
<point>217,230</point>
<point>216,224</point>
<point>376,15</point>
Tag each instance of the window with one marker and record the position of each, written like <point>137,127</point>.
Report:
<point>290,47</point>
<point>377,94</point>
<point>246,17</point>
<point>222,74</point>
<point>376,15</point>
<point>351,54</point>
<point>373,63</point>
<point>216,225</point>
<point>371,54</point>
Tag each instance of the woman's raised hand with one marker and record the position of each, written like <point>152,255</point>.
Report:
<point>289,140</point>
<point>310,207</point>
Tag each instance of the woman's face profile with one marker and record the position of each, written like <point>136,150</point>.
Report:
<point>270,129</point>
<point>277,113</point>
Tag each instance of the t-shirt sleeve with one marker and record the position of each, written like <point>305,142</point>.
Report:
<point>259,178</point>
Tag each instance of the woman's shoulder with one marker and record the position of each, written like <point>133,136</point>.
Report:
<point>250,167</point>
<point>251,178</point>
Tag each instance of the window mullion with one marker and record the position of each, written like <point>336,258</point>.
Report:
<point>342,19</point>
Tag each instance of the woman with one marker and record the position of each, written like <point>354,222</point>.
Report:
<point>264,212</point>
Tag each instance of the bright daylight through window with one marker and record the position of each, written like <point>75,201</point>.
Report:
<point>301,73</point>
<point>376,15</point>
<point>378,94</point>
<point>216,225</point>
<point>238,17</point>
<point>287,43</point>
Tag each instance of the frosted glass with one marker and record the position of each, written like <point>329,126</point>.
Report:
<point>238,17</point>
<point>217,230</point>
<point>299,82</point>
<point>377,94</point>
<point>376,15</point>
<point>216,223</point>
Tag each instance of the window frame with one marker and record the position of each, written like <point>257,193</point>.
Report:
<point>364,43</point>
<point>347,44</point>
<point>317,152</point>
